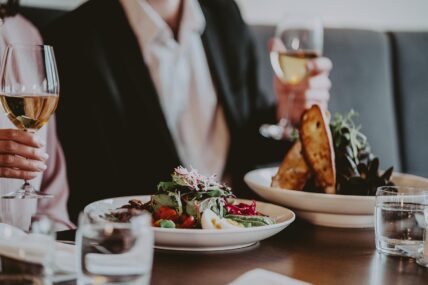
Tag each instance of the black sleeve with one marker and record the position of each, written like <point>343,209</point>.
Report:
<point>263,150</point>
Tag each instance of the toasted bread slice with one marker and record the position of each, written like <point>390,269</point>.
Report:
<point>294,171</point>
<point>317,146</point>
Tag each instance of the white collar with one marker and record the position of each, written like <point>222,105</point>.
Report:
<point>142,14</point>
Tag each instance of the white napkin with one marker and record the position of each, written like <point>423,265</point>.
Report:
<point>34,248</point>
<point>262,276</point>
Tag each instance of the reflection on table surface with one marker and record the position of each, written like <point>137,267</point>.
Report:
<point>310,253</point>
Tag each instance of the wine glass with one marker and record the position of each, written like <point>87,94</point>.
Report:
<point>297,40</point>
<point>29,93</point>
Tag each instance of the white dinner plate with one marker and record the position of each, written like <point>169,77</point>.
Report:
<point>206,240</point>
<point>343,211</point>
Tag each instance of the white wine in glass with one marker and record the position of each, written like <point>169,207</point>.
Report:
<point>291,67</point>
<point>29,94</point>
<point>29,112</point>
<point>298,39</point>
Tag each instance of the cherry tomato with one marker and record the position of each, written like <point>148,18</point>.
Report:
<point>165,213</point>
<point>188,222</point>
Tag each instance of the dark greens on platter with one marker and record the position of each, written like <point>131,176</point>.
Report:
<point>357,169</point>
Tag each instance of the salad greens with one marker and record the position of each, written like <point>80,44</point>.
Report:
<point>182,202</point>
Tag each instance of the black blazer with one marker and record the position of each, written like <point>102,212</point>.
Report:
<point>109,118</point>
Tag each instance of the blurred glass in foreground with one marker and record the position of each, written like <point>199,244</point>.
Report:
<point>114,253</point>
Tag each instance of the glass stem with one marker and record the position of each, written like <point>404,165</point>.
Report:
<point>290,102</point>
<point>27,185</point>
<point>285,120</point>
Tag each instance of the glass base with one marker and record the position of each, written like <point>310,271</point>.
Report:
<point>27,191</point>
<point>422,261</point>
<point>277,132</point>
<point>398,247</point>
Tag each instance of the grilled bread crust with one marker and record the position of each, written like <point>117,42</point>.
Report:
<point>317,146</point>
<point>294,171</point>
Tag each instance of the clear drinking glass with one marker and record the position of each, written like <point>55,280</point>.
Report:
<point>29,93</point>
<point>297,40</point>
<point>399,220</point>
<point>43,228</point>
<point>114,253</point>
<point>423,253</point>
<point>30,254</point>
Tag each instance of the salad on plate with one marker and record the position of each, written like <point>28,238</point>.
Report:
<point>193,201</point>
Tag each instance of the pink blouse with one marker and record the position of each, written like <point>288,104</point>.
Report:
<point>18,30</point>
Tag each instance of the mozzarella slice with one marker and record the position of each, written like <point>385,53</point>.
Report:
<point>211,220</point>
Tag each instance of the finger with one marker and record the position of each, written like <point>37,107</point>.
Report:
<point>320,82</point>
<point>21,136</point>
<point>319,64</point>
<point>18,174</point>
<point>18,162</point>
<point>12,147</point>
<point>317,95</point>
<point>322,105</point>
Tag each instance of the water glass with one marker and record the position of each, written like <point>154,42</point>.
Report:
<point>43,229</point>
<point>114,253</point>
<point>28,254</point>
<point>399,220</point>
<point>423,255</point>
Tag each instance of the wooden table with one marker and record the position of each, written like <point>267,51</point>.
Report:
<point>314,254</point>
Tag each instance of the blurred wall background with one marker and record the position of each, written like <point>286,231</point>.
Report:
<point>370,14</point>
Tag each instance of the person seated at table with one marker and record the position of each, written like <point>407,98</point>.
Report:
<point>22,154</point>
<point>151,84</point>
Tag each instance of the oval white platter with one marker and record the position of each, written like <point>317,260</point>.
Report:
<point>343,211</point>
<point>206,240</point>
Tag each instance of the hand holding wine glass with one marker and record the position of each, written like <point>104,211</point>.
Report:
<point>21,154</point>
<point>312,90</point>
<point>301,73</point>
<point>29,89</point>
